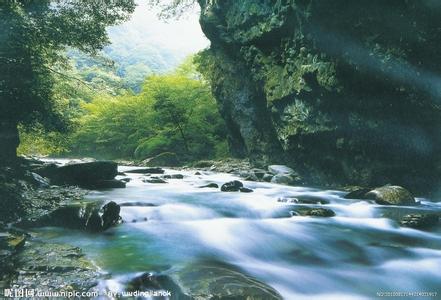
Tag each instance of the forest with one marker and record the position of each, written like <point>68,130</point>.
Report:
<point>194,149</point>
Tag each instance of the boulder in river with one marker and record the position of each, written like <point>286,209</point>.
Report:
<point>391,195</point>
<point>159,284</point>
<point>215,280</point>
<point>154,180</point>
<point>210,185</point>
<point>109,184</point>
<point>280,169</point>
<point>173,176</point>
<point>232,186</point>
<point>358,193</point>
<point>89,216</point>
<point>304,199</point>
<point>267,177</point>
<point>156,170</point>
<point>314,212</point>
<point>245,190</point>
<point>81,174</point>
<point>282,179</point>
<point>420,221</point>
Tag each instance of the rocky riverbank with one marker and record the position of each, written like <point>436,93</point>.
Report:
<point>28,261</point>
<point>30,200</point>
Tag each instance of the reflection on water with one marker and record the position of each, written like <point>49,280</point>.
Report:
<point>352,255</point>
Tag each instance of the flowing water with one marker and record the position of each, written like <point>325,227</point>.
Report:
<point>353,255</point>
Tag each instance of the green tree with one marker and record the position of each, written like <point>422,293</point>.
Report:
<point>33,38</point>
<point>173,113</point>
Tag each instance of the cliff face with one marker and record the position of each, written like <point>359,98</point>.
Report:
<point>347,92</point>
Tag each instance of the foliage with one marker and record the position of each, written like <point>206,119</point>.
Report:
<point>173,113</point>
<point>173,8</point>
<point>33,38</point>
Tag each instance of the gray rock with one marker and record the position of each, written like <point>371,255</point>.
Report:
<point>391,195</point>
<point>54,267</point>
<point>232,186</point>
<point>154,180</point>
<point>304,199</point>
<point>259,173</point>
<point>173,176</point>
<point>282,179</point>
<point>357,193</point>
<point>267,177</point>
<point>151,281</point>
<point>82,174</point>
<point>147,171</point>
<point>251,177</point>
<point>37,180</point>
<point>245,190</point>
<point>216,280</point>
<point>420,221</point>
<point>314,212</point>
<point>210,185</point>
<point>280,169</point>
<point>109,184</point>
<point>89,216</point>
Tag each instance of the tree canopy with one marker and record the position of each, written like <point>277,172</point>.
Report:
<point>33,40</point>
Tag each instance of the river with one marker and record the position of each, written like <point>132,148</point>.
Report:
<point>353,255</point>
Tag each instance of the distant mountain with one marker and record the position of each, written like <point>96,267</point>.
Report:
<point>142,46</point>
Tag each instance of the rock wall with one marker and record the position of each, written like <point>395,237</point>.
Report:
<point>347,92</point>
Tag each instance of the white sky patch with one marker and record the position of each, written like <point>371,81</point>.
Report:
<point>183,35</point>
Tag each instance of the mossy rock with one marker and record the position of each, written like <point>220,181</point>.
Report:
<point>315,212</point>
<point>215,280</point>
<point>391,195</point>
<point>54,267</point>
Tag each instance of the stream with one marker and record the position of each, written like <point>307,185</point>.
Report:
<point>177,225</point>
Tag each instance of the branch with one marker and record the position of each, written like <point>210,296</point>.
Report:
<point>69,77</point>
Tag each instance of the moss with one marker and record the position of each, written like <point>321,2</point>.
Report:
<point>348,87</point>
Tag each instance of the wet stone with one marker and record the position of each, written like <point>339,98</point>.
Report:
<point>420,221</point>
<point>210,185</point>
<point>154,180</point>
<point>147,171</point>
<point>314,212</point>
<point>232,186</point>
<point>245,190</point>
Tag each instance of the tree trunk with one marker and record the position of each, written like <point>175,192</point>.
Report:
<point>9,141</point>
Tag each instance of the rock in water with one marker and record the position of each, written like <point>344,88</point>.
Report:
<point>215,280</point>
<point>282,179</point>
<point>154,180</point>
<point>267,177</point>
<point>280,169</point>
<point>210,185</point>
<point>245,190</point>
<point>232,186</point>
<point>158,283</point>
<point>359,193</point>
<point>109,184</point>
<point>82,174</point>
<point>90,216</point>
<point>110,216</point>
<point>391,195</point>
<point>314,212</point>
<point>147,171</point>
<point>420,221</point>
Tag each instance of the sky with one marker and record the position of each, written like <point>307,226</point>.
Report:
<point>183,35</point>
